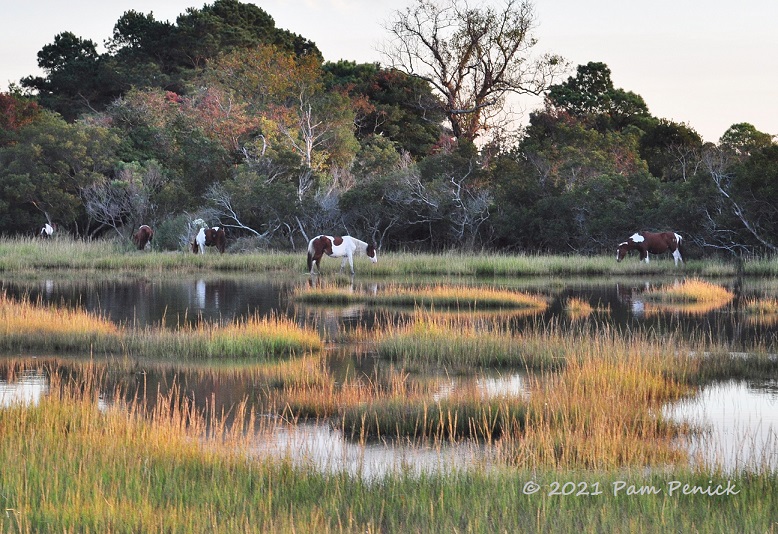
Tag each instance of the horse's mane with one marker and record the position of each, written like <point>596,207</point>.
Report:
<point>360,244</point>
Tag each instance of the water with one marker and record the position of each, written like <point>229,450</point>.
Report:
<point>737,422</point>
<point>738,419</point>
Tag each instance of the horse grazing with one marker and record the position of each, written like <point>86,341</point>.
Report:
<point>209,237</point>
<point>338,247</point>
<point>47,230</point>
<point>142,236</point>
<point>651,242</point>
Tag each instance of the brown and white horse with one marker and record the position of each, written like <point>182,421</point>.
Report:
<point>338,247</point>
<point>142,236</point>
<point>209,237</point>
<point>653,243</point>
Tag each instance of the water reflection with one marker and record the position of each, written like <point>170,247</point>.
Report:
<point>25,387</point>
<point>493,385</point>
<point>739,418</point>
<point>738,422</point>
<point>322,447</point>
<point>172,302</point>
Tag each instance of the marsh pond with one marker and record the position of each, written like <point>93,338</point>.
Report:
<point>735,418</point>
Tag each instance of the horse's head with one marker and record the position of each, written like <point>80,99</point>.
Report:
<point>194,246</point>
<point>372,253</point>
<point>621,251</point>
<point>629,244</point>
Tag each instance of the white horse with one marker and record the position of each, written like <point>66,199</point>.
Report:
<point>47,230</point>
<point>338,247</point>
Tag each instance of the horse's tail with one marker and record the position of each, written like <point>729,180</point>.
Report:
<point>681,249</point>
<point>310,254</point>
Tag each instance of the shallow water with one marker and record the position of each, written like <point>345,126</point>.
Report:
<point>738,419</point>
<point>737,422</point>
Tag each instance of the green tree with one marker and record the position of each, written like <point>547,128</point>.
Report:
<point>145,53</point>
<point>390,103</point>
<point>228,25</point>
<point>591,97</point>
<point>743,139</point>
<point>672,151</point>
<point>42,175</point>
<point>76,78</point>
<point>739,209</point>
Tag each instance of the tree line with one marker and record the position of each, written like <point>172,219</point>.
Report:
<point>223,117</point>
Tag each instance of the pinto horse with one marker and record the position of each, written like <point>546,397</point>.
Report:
<point>143,236</point>
<point>47,230</point>
<point>338,247</point>
<point>651,242</point>
<point>209,237</point>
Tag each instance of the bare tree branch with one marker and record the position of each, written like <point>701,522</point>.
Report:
<point>473,56</point>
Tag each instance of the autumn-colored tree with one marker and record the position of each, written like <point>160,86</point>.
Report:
<point>286,94</point>
<point>168,128</point>
<point>474,57</point>
<point>219,116</point>
<point>15,112</point>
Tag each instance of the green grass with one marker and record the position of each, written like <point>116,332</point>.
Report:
<point>23,255</point>
<point>70,466</point>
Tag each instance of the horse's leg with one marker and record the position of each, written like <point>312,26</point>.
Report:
<point>351,262</point>
<point>343,264</point>
<point>644,255</point>
<point>677,256</point>
<point>316,263</point>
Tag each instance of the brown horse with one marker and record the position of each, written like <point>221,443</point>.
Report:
<point>143,236</point>
<point>653,243</point>
<point>210,237</point>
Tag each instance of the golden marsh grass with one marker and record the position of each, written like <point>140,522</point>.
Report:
<point>123,469</point>
<point>691,290</point>
<point>34,326</point>
<point>439,296</point>
<point>692,296</point>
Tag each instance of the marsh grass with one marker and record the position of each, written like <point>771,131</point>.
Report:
<point>690,290</point>
<point>594,400</point>
<point>21,255</point>
<point>70,465</point>
<point>462,343</point>
<point>252,337</point>
<point>764,306</point>
<point>25,324</point>
<point>38,327</point>
<point>440,296</point>
<point>691,296</point>
<point>602,410</point>
<point>578,309</point>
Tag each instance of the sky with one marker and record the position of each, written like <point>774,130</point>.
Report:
<point>708,65</point>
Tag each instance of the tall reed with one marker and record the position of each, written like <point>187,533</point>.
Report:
<point>70,465</point>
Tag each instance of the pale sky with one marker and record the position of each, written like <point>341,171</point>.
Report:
<point>708,65</point>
